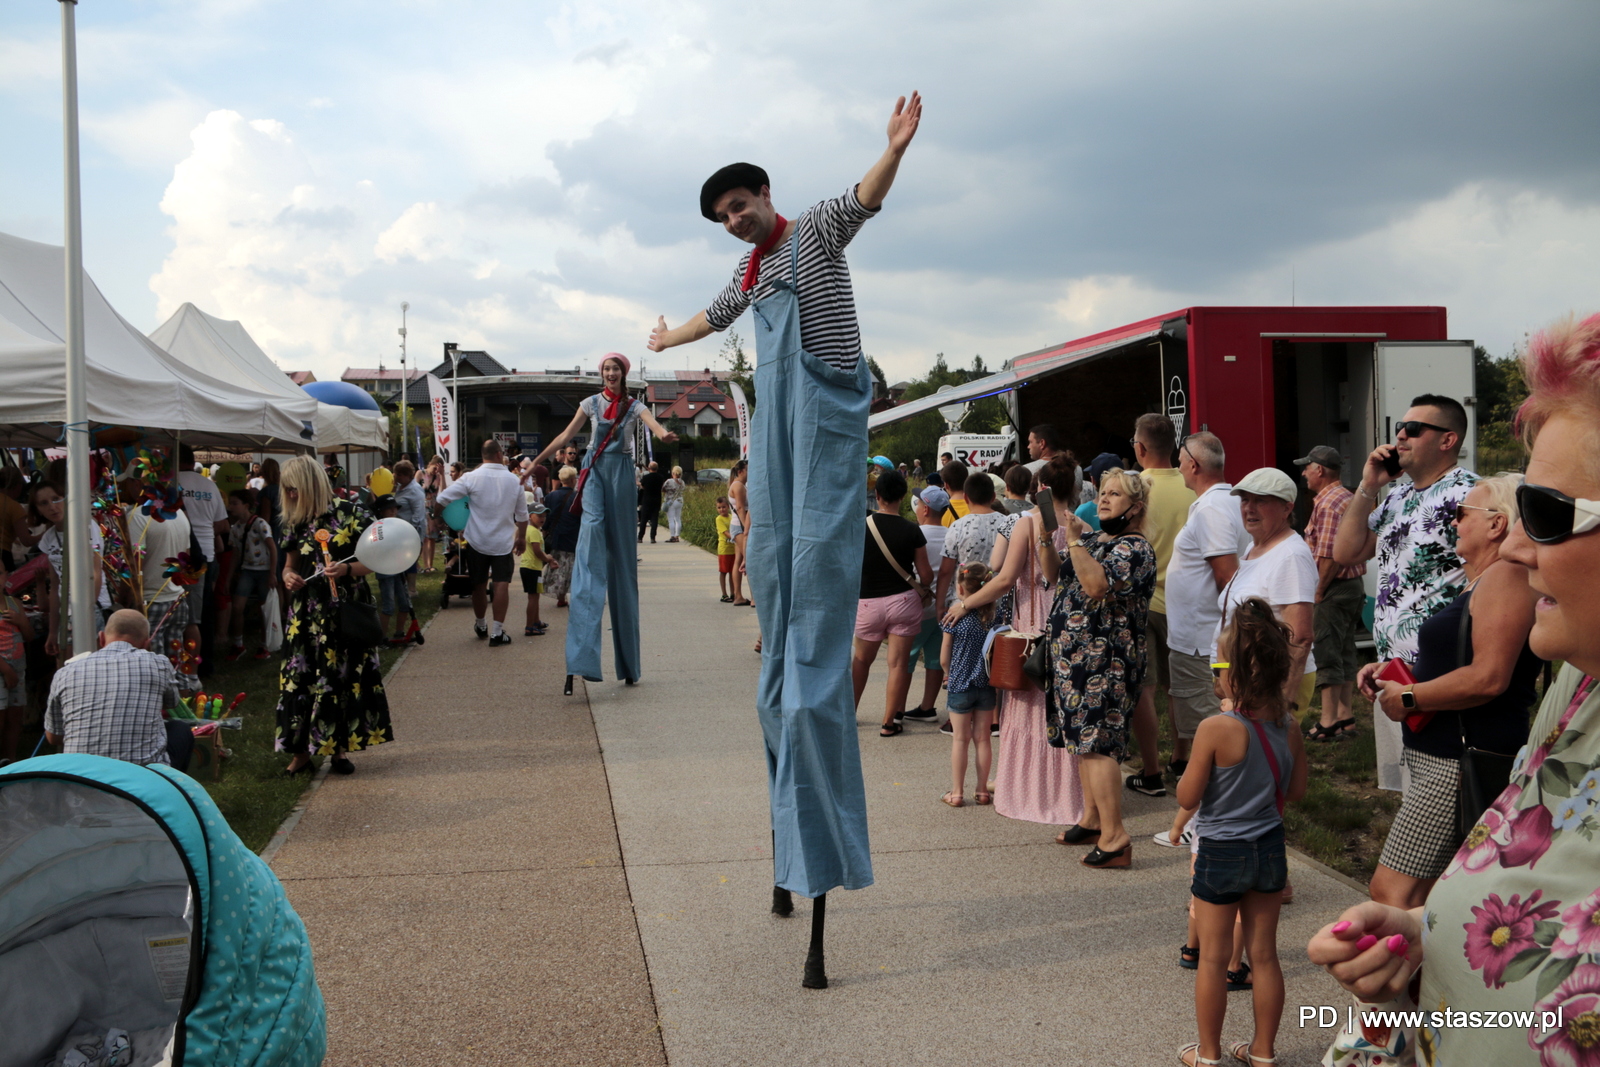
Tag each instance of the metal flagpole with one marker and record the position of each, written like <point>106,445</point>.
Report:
<point>80,560</point>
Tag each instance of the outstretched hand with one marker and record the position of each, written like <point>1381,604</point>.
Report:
<point>903,123</point>
<point>658,336</point>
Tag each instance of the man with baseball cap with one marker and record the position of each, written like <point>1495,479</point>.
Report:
<point>1340,595</point>
<point>808,445</point>
<point>929,504</point>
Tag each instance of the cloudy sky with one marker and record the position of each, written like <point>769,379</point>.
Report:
<point>526,174</point>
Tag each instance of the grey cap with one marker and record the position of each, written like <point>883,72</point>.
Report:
<point>936,498</point>
<point>1326,455</point>
<point>1268,481</point>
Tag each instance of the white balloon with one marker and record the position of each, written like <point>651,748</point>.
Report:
<point>389,546</point>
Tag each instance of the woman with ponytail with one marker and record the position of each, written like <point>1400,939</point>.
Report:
<point>608,498</point>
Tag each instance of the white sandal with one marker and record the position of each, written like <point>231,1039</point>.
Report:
<point>1241,1052</point>
<point>1199,1060</point>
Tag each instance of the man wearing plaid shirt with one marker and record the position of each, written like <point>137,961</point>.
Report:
<point>110,702</point>
<point>1340,595</point>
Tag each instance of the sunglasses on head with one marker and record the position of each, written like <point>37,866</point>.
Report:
<point>1414,427</point>
<point>1550,516</point>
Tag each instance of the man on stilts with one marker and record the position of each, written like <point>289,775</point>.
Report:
<point>808,447</point>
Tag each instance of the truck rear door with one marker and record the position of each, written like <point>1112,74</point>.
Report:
<point>1406,369</point>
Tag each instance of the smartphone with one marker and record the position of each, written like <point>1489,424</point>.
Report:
<point>1047,510</point>
<point>1391,463</point>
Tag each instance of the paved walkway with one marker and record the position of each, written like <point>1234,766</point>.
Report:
<point>568,881</point>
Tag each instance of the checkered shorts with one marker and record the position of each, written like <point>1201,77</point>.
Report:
<point>1424,839</point>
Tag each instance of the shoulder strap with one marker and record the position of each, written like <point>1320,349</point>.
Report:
<point>1278,791</point>
<point>1464,631</point>
<point>883,546</point>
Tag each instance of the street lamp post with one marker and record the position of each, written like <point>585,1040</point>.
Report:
<point>405,306</point>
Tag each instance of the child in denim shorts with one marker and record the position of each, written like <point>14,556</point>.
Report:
<point>971,698</point>
<point>1247,762</point>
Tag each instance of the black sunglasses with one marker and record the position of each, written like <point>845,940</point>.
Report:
<point>1550,516</point>
<point>1414,427</point>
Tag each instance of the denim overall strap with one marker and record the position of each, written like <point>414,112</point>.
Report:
<point>606,562</point>
<point>807,453</point>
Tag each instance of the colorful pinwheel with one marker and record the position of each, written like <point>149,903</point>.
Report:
<point>162,502</point>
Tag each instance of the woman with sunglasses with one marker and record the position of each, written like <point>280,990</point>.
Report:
<point>1475,677</point>
<point>1511,923</point>
<point>331,696</point>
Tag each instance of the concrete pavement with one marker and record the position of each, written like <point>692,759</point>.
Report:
<point>491,883</point>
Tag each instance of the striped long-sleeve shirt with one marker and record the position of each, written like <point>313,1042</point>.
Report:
<point>828,327</point>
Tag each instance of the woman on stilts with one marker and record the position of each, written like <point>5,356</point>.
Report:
<point>609,499</point>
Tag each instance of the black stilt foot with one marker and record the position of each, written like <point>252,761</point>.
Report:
<point>567,689</point>
<point>782,902</point>
<point>628,681</point>
<point>816,976</point>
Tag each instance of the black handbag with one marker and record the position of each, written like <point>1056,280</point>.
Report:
<point>1036,666</point>
<point>359,628</point>
<point>1484,774</point>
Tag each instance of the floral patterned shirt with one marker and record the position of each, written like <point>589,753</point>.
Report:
<point>1418,569</point>
<point>1513,924</point>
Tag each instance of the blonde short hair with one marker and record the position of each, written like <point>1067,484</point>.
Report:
<point>1502,490</point>
<point>677,472</point>
<point>313,494</point>
<point>567,474</point>
<point>1134,489</point>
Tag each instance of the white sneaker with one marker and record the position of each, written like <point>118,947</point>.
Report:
<point>1185,839</point>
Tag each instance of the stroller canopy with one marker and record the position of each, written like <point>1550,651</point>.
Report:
<point>136,928</point>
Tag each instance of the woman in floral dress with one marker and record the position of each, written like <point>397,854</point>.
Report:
<point>1097,655</point>
<point>1513,924</point>
<point>330,698</point>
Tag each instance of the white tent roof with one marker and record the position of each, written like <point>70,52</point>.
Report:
<point>223,348</point>
<point>131,381</point>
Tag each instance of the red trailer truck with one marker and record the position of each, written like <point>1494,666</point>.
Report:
<point>1271,382</point>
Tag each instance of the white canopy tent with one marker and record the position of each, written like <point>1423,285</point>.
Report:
<point>224,348</point>
<point>132,382</point>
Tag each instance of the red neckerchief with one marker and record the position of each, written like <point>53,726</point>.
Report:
<point>754,266</point>
<point>616,400</point>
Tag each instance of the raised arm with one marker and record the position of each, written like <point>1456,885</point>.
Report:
<point>902,128</point>
<point>566,435</point>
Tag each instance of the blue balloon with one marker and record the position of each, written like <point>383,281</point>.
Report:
<point>455,514</point>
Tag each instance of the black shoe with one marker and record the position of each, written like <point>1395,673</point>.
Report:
<point>341,765</point>
<point>501,638</point>
<point>1188,958</point>
<point>1148,784</point>
<point>305,768</point>
<point>994,729</point>
<point>947,728</point>
<point>921,715</point>
<point>1177,767</point>
<point>1078,835</point>
<point>1239,981</point>
<point>480,632</point>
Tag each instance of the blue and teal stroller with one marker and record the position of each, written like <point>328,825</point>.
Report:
<point>136,928</point>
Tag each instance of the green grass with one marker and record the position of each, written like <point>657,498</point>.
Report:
<point>253,793</point>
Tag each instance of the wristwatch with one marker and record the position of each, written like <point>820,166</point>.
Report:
<point>1408,699</point>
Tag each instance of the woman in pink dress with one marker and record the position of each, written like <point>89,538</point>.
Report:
<point>1035,782</point>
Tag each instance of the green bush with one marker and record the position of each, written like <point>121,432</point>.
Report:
<point>700,515</point>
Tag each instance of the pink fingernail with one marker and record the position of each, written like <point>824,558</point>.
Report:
<point>1341,927</point>
<point>1398,945</point>
<point>1366,942</point>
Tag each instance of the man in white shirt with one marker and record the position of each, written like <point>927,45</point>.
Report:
<point>1205,557</point>
<point>496,533</point>
<point>207,508</point>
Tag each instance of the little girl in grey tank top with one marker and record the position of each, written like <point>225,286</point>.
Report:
<point>1241,802</point>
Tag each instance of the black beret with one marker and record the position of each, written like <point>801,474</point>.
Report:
<point>733,176</point>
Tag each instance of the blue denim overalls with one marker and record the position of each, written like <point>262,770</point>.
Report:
<point>808,447</point>
<point>607,557</point>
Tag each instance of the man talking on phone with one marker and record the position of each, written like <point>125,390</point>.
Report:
<point>1411,533</point>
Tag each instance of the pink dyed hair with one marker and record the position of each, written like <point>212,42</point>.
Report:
<point>1562,369</point>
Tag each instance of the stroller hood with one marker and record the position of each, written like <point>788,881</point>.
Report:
<point>126,901</point>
